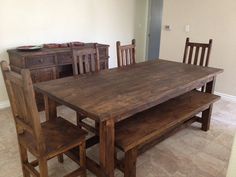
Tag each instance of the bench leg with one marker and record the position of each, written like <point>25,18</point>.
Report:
<point>79,118</point>
<point>206,115</point>
<point>206,118</point>
<point>130,163</point>
<point>60,158</point>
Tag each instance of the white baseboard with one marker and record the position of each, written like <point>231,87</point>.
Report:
<point>4,104</point>
<point>226,96</point>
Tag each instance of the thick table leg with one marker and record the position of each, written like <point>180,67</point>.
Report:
<point>206,115</point>
<point>107,146</point>
<point>50,108</point>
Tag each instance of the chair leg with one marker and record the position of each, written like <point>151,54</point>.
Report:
<point>78,119</point>
<point>130,163</point>
<point>43,168</point>
<point>60,158</point>
<point>97,125</point>
<point>82,154</point>
<point>24,160</point>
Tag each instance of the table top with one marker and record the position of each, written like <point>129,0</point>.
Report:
<point>121,92</point>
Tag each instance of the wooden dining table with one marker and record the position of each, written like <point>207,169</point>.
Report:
<point>116,94</point>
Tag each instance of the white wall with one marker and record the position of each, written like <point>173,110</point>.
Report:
<point>24,22</point>
<point>214,19</point>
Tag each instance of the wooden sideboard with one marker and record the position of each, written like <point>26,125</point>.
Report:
<point>49,64</point>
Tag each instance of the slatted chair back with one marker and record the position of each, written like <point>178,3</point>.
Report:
<point>125,54</point>
<point>22,99</point>
<point>197,53</point>
<point>85,60</point>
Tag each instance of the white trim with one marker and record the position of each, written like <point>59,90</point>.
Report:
<point>226,96</point>
<point>4,104</point>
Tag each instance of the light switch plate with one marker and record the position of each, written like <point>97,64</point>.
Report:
<point>187,28</point>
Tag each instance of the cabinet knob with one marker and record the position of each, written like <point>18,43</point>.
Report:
<point>41,60</point>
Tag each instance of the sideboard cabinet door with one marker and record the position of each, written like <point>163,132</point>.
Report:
<point>40,75</point>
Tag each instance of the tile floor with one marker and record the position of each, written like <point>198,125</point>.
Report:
<point>189,153</point>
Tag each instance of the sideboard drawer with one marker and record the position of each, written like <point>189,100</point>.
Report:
<point>40,61</point>
<point>64,58</point>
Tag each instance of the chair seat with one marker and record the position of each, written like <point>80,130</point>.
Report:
<point>60,135</point>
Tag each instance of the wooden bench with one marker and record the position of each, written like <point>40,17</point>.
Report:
<point>147,126</point>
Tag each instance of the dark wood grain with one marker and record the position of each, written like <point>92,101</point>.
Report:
<point>45,141</point>
<point>130,162</point>
<point>206,115</point>
<point>148,127</point>
<point>123,92</point>
<point>85,60</point>
<point>152,142</point>
<point>152,123</point>
<point>125,54</point>
<point>51,63</point>
<point>197,53</point>
<point>107,146</point>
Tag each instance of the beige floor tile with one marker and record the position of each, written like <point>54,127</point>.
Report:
<point>189,153</point>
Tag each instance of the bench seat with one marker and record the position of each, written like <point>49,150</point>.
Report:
<point>139,130</point>
<point>156,121</point>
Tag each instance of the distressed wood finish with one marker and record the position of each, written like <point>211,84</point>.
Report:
<point>141,127</point>
<point>125,54</point>
<point>153,124</point>
<point>45,141</point>
<point>52,63</point>
<point>206,115</point>
<point>85,60</point>
<point>121,93</point>
<point>197,53</point>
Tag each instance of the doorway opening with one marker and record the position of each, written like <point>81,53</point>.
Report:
<point>154,28</point>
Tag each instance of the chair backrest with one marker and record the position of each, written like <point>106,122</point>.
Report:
<point>197,53</point>
<point>125,54</point>
<point>85,60</point>
<point>22,99</point>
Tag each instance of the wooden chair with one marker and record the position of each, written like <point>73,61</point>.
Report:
<point>197,53</point>
<point>85,60</point>
<point>125,54</point>
<point>43,140</point>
